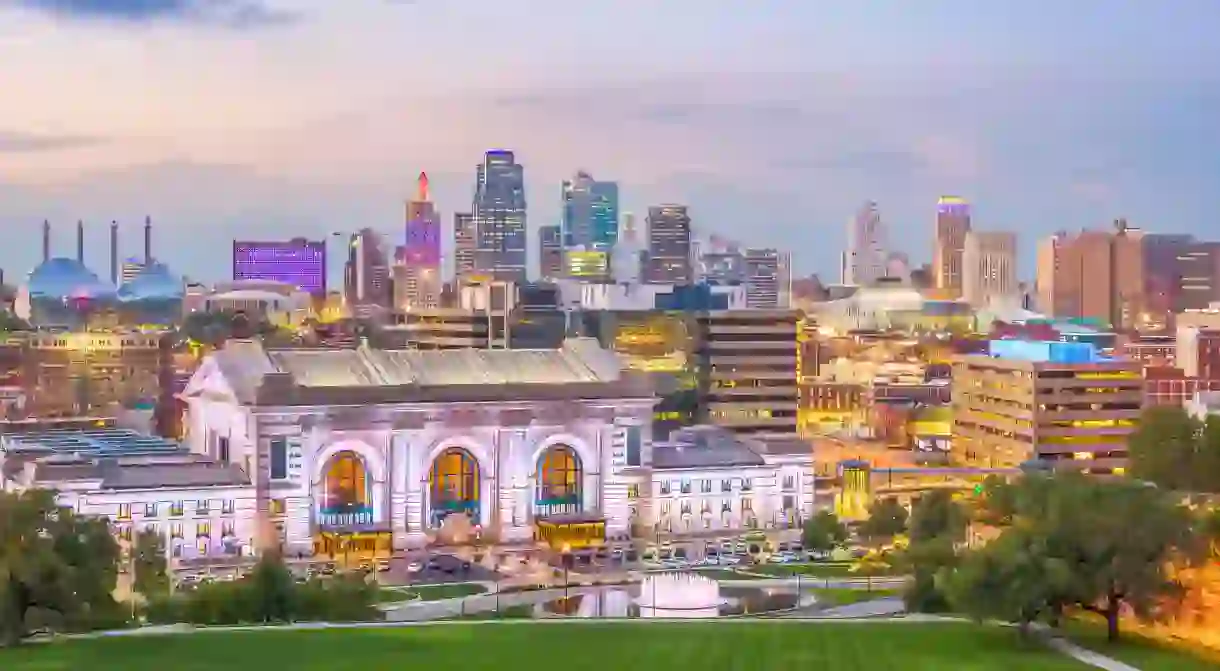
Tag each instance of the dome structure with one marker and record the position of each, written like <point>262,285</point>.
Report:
<point>153,296</point>
<point>63,292</point>
<point>60,278</point>
<point>154,282</point>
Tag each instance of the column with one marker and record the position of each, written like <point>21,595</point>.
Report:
<point>399,469</point>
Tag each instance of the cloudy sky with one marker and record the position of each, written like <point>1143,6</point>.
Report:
<point>772,119</point>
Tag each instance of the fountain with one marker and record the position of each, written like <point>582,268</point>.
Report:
<point>679,595</point>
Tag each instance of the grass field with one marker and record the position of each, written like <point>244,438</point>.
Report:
<point>561,647</point>
<point>842,597</point>
<point>814,569</point>
<point>429,592</point>
<point>1138,651</point>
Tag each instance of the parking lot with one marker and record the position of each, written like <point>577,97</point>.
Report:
<point>443,567</point>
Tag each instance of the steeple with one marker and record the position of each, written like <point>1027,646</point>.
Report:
<point>421,193</point>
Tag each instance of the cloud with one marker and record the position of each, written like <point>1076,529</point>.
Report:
<point>228,13</point>
<point>14,142</point>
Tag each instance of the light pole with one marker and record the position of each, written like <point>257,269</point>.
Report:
<point>566,557</point>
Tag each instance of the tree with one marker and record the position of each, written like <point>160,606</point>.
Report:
<point>1176,451</point>
<point>149,565</point>
<point>57,570</point>
<point>886,519</point>
<point>1014,578</point>
<point>1117,537</point>
<point>935,515</point>
<point>927,561</point>
<point>823,532</point>
<point>272,589</point>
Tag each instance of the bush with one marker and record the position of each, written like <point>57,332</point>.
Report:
<point>269,594</point>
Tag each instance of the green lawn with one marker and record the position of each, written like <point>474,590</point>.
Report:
<point>724,574</point>
<point>815,569</point>
<point>429,592</point>
<point>1142,653</point>
<point>561,647</point>
<point>837,596</point>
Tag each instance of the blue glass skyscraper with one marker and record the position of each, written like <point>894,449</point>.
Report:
<point>590,213</point>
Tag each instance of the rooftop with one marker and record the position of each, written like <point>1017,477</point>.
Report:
<point>119,474</point>
<point>716,447</point>
<point>396,375</point>
<point>98,442</point>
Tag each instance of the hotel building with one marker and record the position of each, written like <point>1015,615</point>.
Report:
<point>1055,402</point>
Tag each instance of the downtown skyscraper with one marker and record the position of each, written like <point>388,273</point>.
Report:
<point>669,246</point>
<point>589,226</point>
<point>417,272</point>
<point>865,258</point>
<point>952,225</point>
<point>499,218</point>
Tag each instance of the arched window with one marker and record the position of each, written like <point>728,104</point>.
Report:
<point>453,485</point>
<point>559,482</point>
<point>346,492</point>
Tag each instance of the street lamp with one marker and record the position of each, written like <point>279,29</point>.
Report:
<point>566,557</point>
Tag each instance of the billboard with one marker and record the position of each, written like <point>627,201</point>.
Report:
<point>587,263</point>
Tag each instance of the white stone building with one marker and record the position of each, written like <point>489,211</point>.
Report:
<point>201,507</point>
<point>708,480</point>
<point>380,445</point>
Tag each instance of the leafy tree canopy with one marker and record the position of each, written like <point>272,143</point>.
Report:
<point>887,518</point>
<point>57,570</point>
<point>935,515</point>
<point>1115,538</point>
<point>823,532</point>
<point>1176,451</point>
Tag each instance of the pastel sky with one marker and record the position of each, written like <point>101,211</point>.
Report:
<point>772,119</point>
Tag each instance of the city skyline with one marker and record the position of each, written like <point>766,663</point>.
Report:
<point>784,139</point>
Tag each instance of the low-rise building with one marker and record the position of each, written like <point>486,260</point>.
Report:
<point>202,508</point>
<point>707,479</point>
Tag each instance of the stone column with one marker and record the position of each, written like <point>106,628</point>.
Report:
<point>399,469</point>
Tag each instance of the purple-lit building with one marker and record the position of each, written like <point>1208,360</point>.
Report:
<point>423,234</point>
<point>297,261</point>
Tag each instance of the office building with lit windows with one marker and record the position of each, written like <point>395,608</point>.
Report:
<point>299,262</point>
<point>747,362</point>
<point>1055,402</point>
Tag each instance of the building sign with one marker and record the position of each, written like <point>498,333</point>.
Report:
<point>296,458</point>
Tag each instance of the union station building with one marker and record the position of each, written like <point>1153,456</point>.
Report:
<point>372,449</point>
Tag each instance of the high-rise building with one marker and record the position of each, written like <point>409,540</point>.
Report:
<point>669,246</point>
<point>749,360</point>
<point>768,279</point>
<point>464,245</point>
<point>952,225</point>
<point>626,259</point>
<point>989,268</point>
<point>590,212</point>
<point>1126,277</point>
<point>417,274</point>
<point>367,273</point>
<point>550,253</point>
<point>298,261</point>
<point>864,260</point>
<point>721,263</point>
<point>499,218</point>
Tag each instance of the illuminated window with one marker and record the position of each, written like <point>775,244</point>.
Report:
<point>453,485</point>
<point>277,507</point>
<point>559,481</point>
<point>175,509</point>
<point>124,511</point>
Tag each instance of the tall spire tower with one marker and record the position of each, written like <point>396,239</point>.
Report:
<point>80,242</point>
